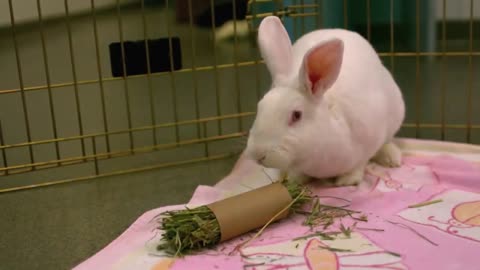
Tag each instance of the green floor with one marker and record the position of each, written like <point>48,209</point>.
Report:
<point>57,227</point>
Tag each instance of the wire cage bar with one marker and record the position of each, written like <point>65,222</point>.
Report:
<point>208,117</point>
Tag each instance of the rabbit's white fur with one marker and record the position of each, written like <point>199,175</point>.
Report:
<point>350,106</point>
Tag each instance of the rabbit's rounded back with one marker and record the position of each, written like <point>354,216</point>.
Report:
<point>363,80</point>
<point>331,106</point>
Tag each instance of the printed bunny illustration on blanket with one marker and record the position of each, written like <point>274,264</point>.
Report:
<point>458,214</point>
<point>390,180</point>
<point>314,253</point>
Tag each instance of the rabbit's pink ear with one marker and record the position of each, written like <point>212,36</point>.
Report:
<point>321,66</point>
<point>275,47</point>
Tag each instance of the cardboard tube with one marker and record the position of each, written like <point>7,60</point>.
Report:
<point>250,210</point>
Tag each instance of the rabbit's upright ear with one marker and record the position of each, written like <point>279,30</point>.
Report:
<point>275,47</point>
<point>321,66</point>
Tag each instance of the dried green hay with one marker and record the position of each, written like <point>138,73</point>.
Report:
<point>323,215</point>
<point>418,205</point>
<point>189,230</point>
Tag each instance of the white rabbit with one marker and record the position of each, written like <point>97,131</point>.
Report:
<point>332,106</point>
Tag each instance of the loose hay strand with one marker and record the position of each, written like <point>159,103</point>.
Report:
<point>413,230</point>
<point>418,205</point>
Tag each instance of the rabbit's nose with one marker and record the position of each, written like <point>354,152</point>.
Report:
<point>261,159</point>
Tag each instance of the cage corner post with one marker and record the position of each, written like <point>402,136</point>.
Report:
<point>428,26</point>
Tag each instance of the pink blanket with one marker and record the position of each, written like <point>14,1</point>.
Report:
<point>443,235</point>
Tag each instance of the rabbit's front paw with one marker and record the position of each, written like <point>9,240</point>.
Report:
<point>352,178</point>
<point>389,156</point>
<point>298,178</point>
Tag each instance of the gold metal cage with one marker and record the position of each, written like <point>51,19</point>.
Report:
<point>64,118</point>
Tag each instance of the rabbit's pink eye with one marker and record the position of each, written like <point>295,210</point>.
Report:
<point>296,115</point>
